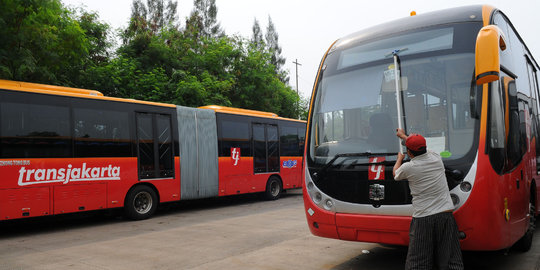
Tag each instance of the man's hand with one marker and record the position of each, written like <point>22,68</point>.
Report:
<point>401,134</point>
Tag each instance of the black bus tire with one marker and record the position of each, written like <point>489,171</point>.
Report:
<point>141,203</point>
<point>273,188</point>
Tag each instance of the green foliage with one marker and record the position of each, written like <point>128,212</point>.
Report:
<point>157,60</point>
<point>41,41</point>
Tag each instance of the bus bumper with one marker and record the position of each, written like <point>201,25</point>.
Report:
<point>392,230</point>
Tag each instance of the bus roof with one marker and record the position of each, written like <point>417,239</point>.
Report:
<point>474,13</point>
<point>68,91</point>
<point>459,14</point>
<point>230,110</point>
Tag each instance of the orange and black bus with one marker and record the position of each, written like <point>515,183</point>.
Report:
<point>65,150</point>
<point>465,80</point>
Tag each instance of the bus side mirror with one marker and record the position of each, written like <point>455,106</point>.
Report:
<point>487,61</point>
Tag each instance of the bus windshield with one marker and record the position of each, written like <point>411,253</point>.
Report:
<point>355,104</point>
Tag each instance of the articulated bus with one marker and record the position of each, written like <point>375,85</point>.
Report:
<point>464,79</point>
<point>65,150</point>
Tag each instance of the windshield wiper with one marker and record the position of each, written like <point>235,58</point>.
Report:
<point>362,154</point>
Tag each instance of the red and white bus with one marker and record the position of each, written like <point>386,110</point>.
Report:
<point>464,79</point>
<point>65,150</point>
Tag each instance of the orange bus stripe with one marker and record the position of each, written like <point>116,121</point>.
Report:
<point>486,13</point>
<point>313,91</point>
<point>70,92</point>
<point>239,111</point>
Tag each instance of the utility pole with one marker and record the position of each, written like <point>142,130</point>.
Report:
<point>297,93</point>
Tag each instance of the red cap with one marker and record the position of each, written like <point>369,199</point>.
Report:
<point>415,141</point>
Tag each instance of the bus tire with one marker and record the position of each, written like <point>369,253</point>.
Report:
<point>273,188</point>
<point>524,244</point>
<point>141,203</point>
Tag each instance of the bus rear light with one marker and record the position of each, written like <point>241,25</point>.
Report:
<point>465,186</point>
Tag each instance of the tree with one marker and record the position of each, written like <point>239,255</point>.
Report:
<point>257,86</point>
<point>44,42</point>
<point>272,41</point>
<point>97,35</point>
<point>257,37</point>
<point>150,18</point>
<point>202,23</point>
<point>41,42</point>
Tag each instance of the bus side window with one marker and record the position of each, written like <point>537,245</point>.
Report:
<point>234,133</point>
<point>289,141</point>
<point>496,130</point>
<point>301,141</point>
<point>517,132</point>
<point>34,131</point>
<point>155,147</point>
<point>533,82</point>
<point>101,133</point>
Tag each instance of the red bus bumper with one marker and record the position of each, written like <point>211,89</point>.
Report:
<point>373,228</point>
<point>357,227</point>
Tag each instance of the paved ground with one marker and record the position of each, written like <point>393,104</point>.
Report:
<point>239,232</point>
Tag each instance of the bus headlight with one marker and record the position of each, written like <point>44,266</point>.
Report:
<point>310,185</point>
<point>328,204</point>
<point>465,186</point>
<point>455,199</point>
<point>317,198</point>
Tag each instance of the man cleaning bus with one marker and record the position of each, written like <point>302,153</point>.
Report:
<point>433,231</point>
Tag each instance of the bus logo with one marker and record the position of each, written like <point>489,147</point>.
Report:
<point>376,170</point>
<point>66,175</point>
<point>290,163</point>
<point>235,155</point>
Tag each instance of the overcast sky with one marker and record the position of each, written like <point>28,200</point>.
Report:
<point>307,28</point>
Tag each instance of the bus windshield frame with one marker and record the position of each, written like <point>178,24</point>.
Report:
<point>354,107</point>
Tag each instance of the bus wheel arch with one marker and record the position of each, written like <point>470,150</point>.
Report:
<point>274,188</point>
<point>141,202</point>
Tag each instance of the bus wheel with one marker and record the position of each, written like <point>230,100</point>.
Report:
<point>525,243</point>
<point>273,188</point>
<point>141,203</point>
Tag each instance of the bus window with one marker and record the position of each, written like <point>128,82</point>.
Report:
<point>234,133</point>
<point>101,133</point>
<point>265,148</point>
<point>145,146</point>
<point>259,148</point>
<point>515,140</point>
<point>154,137</point>
<point>332,126</point>
<point>289,141</point>
<point>165,145</point>
<point>460,105</point>
<point>35,131</point>
<point>273,148</point>
<point>301,141</point>
<point>496,130</point>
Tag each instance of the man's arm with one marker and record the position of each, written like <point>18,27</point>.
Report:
<point>401,134</point>
<point>399,161</point>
